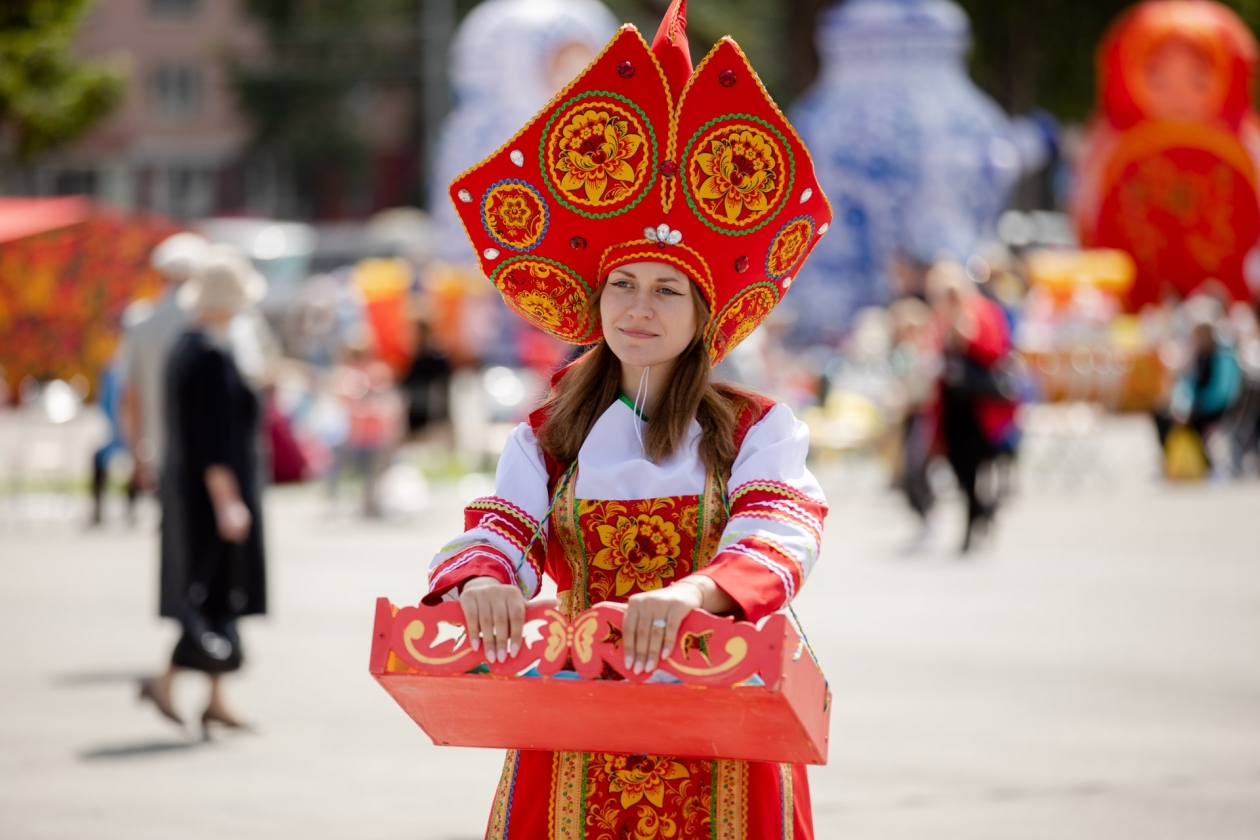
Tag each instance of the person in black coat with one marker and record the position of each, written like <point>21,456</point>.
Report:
<point>213,565</point>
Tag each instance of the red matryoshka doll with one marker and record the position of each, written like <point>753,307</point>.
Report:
<point>1168,172</point>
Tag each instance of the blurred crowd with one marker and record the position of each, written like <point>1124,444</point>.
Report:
<point>388,372</point>
<point>971,356</point>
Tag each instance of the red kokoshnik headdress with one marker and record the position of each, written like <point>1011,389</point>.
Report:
<point>640,158</point>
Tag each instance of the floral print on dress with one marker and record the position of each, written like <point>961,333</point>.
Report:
<point>646,797</point>
<point>635,546</point>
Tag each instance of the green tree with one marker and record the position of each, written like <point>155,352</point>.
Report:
<point>46,97</point>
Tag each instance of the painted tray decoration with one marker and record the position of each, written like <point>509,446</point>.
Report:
<point>734,690</point>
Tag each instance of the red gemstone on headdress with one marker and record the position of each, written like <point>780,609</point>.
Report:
<point>668,168</point>
<point>626,69</point>
<point>741,264</point>
<point>727,78</point>
<point>578,243</point>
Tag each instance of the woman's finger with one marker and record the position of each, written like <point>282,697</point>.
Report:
<point>643,634</point>
<point>472,624</point>
<point>628,625</point>
<point>516,622</point>
<point>656,637</point>
<point>677,612</point>
<point>499,611</point>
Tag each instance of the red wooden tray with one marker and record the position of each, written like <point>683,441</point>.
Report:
<point>744,691</point>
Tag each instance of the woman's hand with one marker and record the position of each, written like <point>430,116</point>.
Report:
<point>494,613</point>
<point>231,517</point>
<point>650,628</point>
<point>233,521</point>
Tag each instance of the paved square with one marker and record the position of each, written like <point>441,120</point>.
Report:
<point>1095,674</point>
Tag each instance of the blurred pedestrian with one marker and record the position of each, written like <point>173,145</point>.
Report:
<point>109,396</point>
<point>212,534</point>
<point>977,407</point>
<point>428,382</point>
<point>1244,421</point>
<point>1207,385</point>
<point>916,365</point>
<point>364,384</point>
<point>148,342</point>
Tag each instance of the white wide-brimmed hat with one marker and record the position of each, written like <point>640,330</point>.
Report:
<point>178,257</point>
<point>226,280</point>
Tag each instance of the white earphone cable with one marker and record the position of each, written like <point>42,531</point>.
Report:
<point>640,394</point>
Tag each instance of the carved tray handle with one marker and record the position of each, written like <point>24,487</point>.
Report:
<point>710,650</point>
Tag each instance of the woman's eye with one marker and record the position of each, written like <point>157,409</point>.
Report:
<point>666,290</point>
<point>622,284</point>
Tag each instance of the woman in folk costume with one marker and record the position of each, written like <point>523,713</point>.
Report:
<point>658,214</point>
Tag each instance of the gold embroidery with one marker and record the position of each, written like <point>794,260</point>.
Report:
<point>497,829</point>
<point>789,802</point>
<point>567,797</point>
<point>729,812</point>
<point>712,519</point>
<point>564,521</point>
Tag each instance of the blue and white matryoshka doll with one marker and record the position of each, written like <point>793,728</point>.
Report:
<point>915,158</point>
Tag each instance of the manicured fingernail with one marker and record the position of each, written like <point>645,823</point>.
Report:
<point>474,643</point>
<point>629,662</point>
<point>665,653</point>
<point>638,667</point>
<point>490,654</point>
<point>502,655</point>
<point>512,648</point>
<point>651,666</point>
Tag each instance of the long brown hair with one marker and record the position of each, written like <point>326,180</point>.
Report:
<point>593,382</point>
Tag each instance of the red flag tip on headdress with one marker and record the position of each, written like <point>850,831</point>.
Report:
<point>671,49</point>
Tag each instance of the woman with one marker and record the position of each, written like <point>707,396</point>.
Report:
<point>915,363</point>
<point>1207,386</point>
<point>212,542</point>
<point>976,405</point>
<point>640,481</point>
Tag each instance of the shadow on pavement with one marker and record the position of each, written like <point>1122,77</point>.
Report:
<point>141,749</point>
<point>88,678</point>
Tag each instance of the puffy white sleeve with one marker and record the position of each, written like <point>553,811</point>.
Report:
<point>505,535</point>
<point>774,533</point>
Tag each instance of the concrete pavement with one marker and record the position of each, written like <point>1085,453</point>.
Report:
<point>1095,674</point>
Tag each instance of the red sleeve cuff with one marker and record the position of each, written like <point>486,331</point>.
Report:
<point>758,591</point>
<point>474,561</point>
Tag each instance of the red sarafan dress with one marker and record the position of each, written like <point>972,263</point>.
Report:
<point>621,524</point>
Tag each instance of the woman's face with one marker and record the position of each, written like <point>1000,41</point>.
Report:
<point>648,310</point>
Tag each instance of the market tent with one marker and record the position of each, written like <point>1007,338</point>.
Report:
<point>68,268</point>
<point>23,217</point>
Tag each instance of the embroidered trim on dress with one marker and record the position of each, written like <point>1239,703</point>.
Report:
<point>568,796</point>
<point>564,520</point>
<point>730,795</point>
<point>789,801</point>
<point>713,518</point>
<point>501,812</point>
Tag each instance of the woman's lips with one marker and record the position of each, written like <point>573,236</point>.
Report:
<point>637,333</point>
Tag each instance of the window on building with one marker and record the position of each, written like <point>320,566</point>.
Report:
<point>175,91</point>
<point>176,9</point>
<point>75,182</point>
